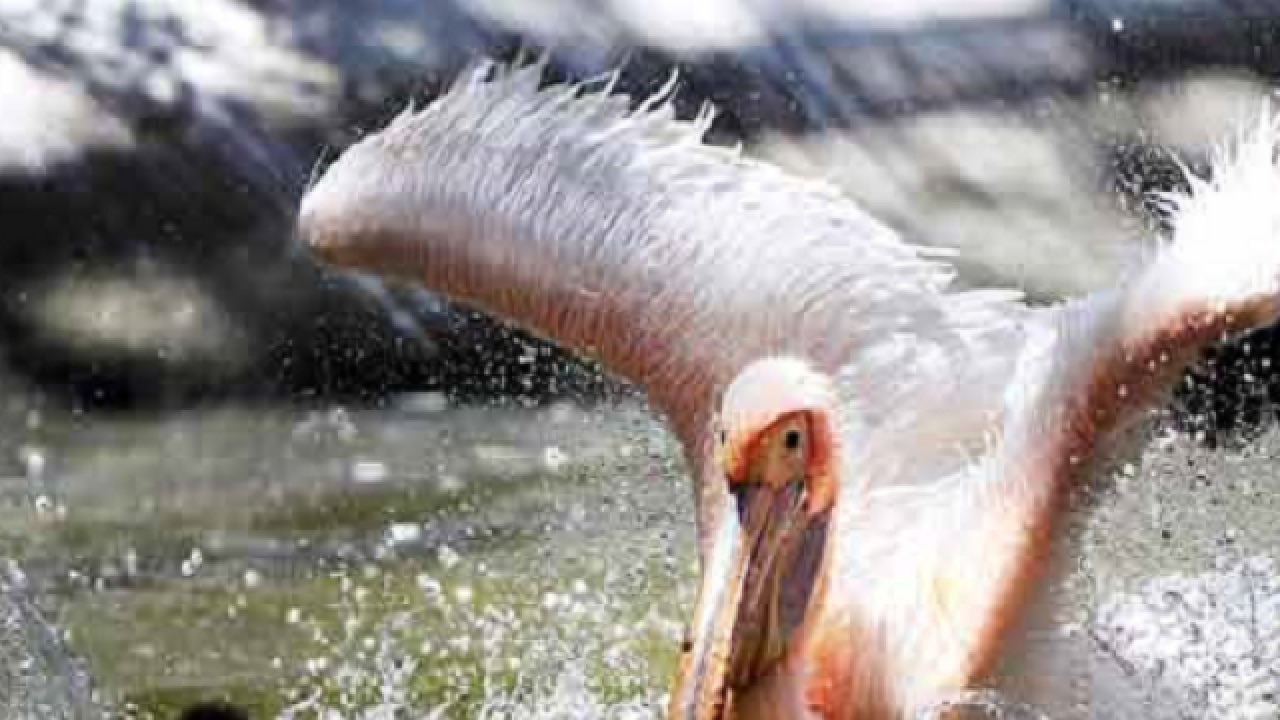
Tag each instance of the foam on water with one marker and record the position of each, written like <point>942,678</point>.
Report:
<point>37,678</point>
<point>1212,640</point>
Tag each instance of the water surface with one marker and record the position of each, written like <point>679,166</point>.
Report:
<point>423,560</point>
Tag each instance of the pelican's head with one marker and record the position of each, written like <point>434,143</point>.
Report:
<point>777,455</point>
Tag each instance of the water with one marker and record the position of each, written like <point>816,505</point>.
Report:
<point>426,561</point>
<point>37,676</point>
<point>444,559</point>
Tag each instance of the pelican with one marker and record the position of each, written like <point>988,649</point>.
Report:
<point>879,459</point>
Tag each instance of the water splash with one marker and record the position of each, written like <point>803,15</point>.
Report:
<point>375,667</point>
<point>37,677</point>
<point>1212,640</point>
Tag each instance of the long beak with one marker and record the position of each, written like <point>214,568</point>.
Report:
<point>744,616</point>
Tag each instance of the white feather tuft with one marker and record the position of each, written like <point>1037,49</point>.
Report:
<point>1226,230</point>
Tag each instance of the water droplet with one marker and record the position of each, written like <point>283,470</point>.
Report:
<point>554,459</point>
<point>192,564</point>
<point>447,557</point>
<point>402,533</point>
<point>33,460</point>
<point>44,505</point>
<point>430,587</point>
<point>367,472</point>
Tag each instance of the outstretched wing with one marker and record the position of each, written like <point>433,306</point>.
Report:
<point>614,230</point>
<point>1104,360</point>
<point>940,569</point>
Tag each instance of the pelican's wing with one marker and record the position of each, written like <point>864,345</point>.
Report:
<point>615,230</point>
<point>939,569</point>
<point>1102,361</point>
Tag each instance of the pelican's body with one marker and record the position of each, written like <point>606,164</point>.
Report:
<point>954,421</point>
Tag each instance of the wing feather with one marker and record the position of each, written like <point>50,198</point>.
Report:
<point>613,229</point>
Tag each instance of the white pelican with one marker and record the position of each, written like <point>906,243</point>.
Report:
<point>879,460</point>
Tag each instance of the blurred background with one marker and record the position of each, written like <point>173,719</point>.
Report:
<point>229,473</point>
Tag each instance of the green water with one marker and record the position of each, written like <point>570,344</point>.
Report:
<point>437,558</point>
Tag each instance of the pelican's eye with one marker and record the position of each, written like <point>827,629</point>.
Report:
<point>793,440</point>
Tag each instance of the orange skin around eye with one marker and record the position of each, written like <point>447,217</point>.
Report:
<point>770,398</point>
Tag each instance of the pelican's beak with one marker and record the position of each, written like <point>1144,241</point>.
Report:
<point>757,582</point>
